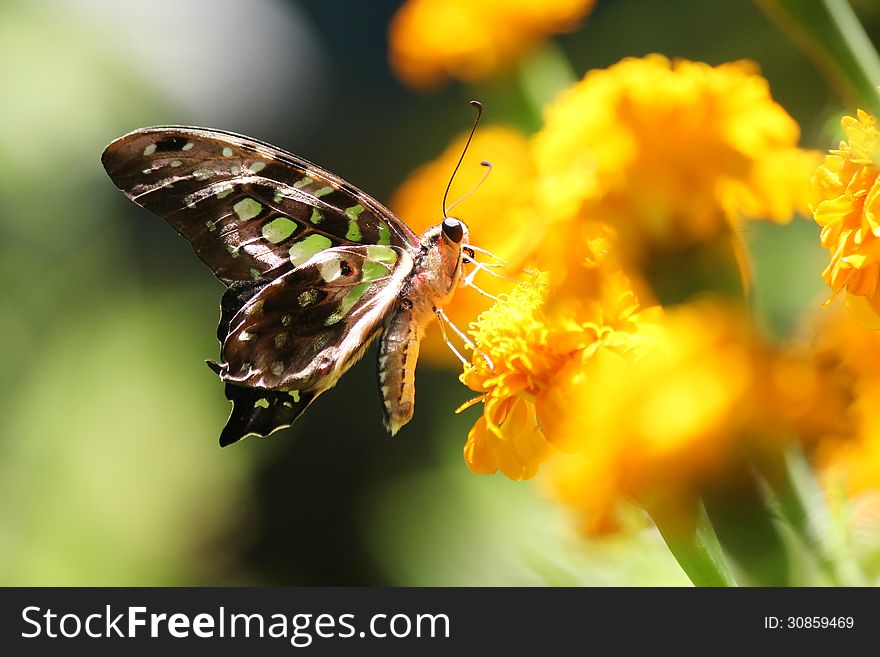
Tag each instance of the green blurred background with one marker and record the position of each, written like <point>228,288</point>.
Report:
<point>110,472</point>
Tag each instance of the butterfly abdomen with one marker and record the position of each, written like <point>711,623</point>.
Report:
<point>398,353</point>
<point>429,287</point>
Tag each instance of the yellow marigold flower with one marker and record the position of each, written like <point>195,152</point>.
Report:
<point>657,426</point>
<point>846,204</point>
<point>848,451</point>
<point>493,215</point>
<point>513,334</point>
<point>853,465</point>
<point>527,348</point>
<point>670,153</point>
<point>431,40</point>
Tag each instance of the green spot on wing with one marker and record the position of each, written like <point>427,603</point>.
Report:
<point>374,270</point>
<point>323,191</point>
<point>279,229</point>
<point>354,294</point>
<point>316,217</point>
<point>378,262</point>
<point>303,182</point>
<point>307,247</point>
<point>307,297</point>
<point>354,231</point>
<point>384,234</point>
<point>247,208</point>
<point>382,253</point>
<point>354,211</point>
<point>262,403</point>
<point>227,152</point>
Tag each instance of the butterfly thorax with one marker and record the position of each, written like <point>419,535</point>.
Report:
<point>430,287</point>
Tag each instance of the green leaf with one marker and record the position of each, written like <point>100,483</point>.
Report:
<point>748,529</point>
<point>801,503</point>
<point>691,539</point>
<point>830,35</point>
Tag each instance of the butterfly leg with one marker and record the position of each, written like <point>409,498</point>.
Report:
<point>461,334</point>
<point>448,342</point>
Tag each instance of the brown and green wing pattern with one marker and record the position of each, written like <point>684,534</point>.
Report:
<point>300,332</point>
<point>250,210</point>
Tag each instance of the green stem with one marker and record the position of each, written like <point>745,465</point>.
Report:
<point>822,532</point>
<point>830,35</point>
<point>692,541</point>
<point>747,528</point>
<point>543,74</point>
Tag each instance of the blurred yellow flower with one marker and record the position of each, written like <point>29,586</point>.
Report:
<point>527,349</point>
<point>846,204</point>
<point>848,452</point>
<point>432,40</point>
<point>496,215</point>
<point>657,427</point>
<point>630,404</point>
<point>653,425</point>
<point>670,153</point>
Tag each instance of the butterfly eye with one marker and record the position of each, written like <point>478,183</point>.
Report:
<point>453,229</point>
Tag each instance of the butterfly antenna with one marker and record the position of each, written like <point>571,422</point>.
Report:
<point>479,107</point>
<point>488,166</point>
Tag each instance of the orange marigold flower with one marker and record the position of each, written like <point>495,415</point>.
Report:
<point>514,336</point>
<point>670,153</point>
<point>496,215</point>
<point>846,204</point>
<point>655,425</point>
<point>523,349</point>
<point>431,40</point>
<point>848,452</point>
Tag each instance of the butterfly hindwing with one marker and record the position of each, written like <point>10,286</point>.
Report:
<point>251,211</point>
<point>303,330</point>
<point>260,412</point>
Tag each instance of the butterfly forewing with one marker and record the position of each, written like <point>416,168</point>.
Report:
<point>301,331</point>
<point>250,210</point>
<point>313,265</point>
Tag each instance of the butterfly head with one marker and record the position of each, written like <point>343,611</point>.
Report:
<point>454,230</point>
<point>440,258</point>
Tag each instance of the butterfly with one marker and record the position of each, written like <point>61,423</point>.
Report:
<point>315,269</point>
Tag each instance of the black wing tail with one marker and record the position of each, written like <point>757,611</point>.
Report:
<point>257,411</point>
